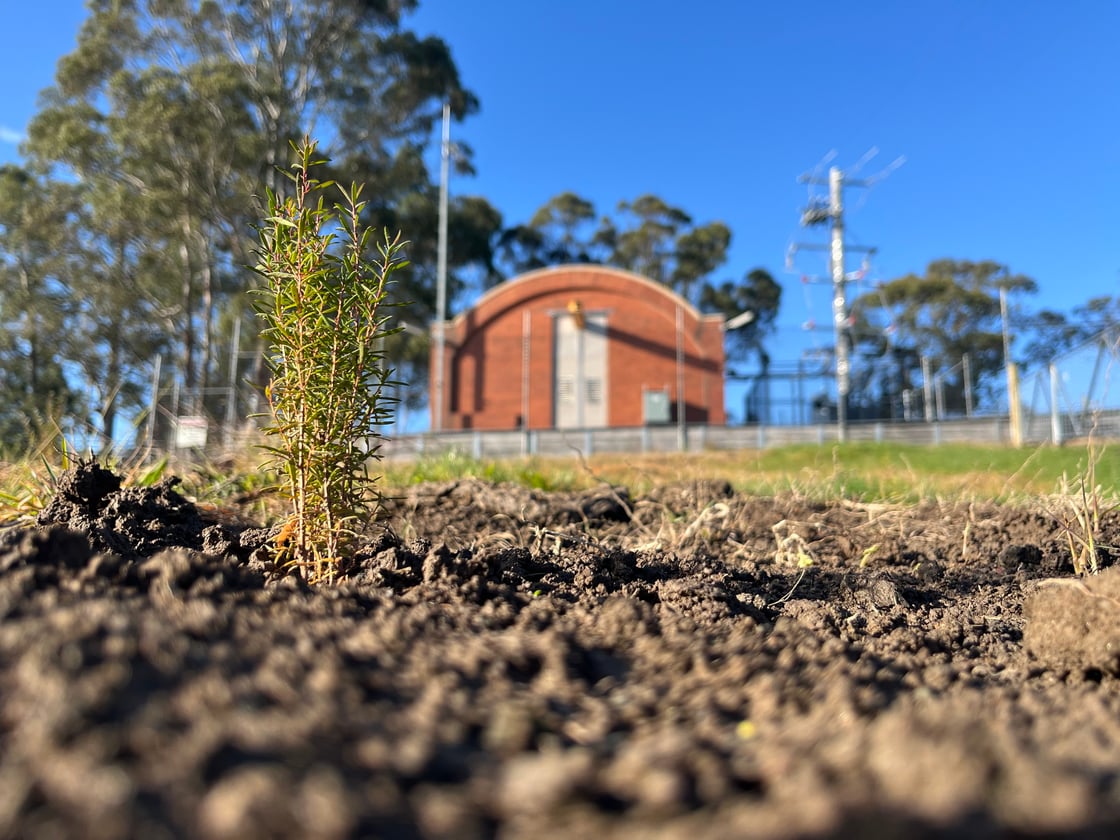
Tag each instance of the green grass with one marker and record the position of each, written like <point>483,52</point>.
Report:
<point>880,472</point>
<point>538,473</point>
<point>868,472</point>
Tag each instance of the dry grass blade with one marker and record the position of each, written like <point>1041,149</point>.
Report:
<point>1079,509</point>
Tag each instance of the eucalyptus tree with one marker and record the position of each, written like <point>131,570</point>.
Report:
<point>179,112</point>
<point>645,244</point>
<point>757,293</point>
<point>563,223</point>
<point>473,227</point>
<point>122,314</point>
<point>648,236</point>
<point>559,232</point>
<point>520,248</point>
<point>951,310</point>
<point>1055,333</point>
<point>661,242</point>
<point>37,258</point>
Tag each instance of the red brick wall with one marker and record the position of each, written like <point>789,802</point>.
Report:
<point>487,385</point>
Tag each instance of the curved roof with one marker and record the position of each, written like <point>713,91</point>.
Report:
<point>514,285</point>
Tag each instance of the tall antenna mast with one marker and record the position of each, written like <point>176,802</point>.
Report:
<point>832,213</point>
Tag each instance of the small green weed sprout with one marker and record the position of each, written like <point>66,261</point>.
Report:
<point>323,306</point>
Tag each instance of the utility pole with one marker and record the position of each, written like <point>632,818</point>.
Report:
<point>833,214</point>
<point>839,299</point>
<point>441,271</point>
<point>1014,408</point>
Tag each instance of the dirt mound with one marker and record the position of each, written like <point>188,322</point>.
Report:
<point>501,662</point>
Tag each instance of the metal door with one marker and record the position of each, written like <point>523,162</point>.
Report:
<point>579,393</point>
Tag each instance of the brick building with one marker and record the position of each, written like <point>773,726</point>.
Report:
<point>580,346</point>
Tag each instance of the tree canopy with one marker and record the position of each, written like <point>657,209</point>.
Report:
<point>950,311</point>
<point>169,119</point>
<point>647,236</point>
<point>759,294</point>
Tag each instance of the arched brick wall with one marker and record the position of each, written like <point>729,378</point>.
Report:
<point>501,356</point>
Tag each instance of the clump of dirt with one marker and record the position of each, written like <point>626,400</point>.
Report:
<point>130,521</point>
<point>1074,624</point>
<point>501,662</point>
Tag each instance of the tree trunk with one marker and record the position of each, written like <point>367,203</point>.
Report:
<point>113,365</point>
<point>186,302</point>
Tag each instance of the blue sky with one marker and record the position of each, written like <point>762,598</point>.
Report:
<point>1008,115</point>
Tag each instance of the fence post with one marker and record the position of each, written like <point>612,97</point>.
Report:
<point>966,375</point>
<point>1055,414</point>
<point>153,407</point>
<point>927,389</point>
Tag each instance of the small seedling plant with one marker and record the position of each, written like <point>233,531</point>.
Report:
<point>323,304</point>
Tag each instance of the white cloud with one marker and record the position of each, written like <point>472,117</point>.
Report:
<point>10,135</point>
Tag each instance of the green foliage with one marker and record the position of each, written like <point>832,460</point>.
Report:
<point>659,241</point>
<point>951,310</point>
<point>559,223</point>
<point>1056,334</point>
<point>649,237</point>
<point>322,309</point>
<point>759,293</point>
<point>160,119</point>
<point>38,304</point>
<point>27,485</point>
<point>698,253</point>
<point>453,465</point>
<point>861,471</point>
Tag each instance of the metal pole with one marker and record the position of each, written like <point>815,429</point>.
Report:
<point>927,389</point>
<point>1055,413</point>
<point>153,409</point>
<point>231,401</point>
<point>526,349</point>
<point>1007,354</point>
<point>966,374</point>
<point>839,304</point>
<point>441,269</point>
<point>172,443</point>
<point>682,439</point>
<point>1014,413</point>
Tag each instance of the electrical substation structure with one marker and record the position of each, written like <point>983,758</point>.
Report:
<point>831,212</point>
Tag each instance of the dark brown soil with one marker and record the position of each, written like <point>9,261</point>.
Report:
<point>507,663</point>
